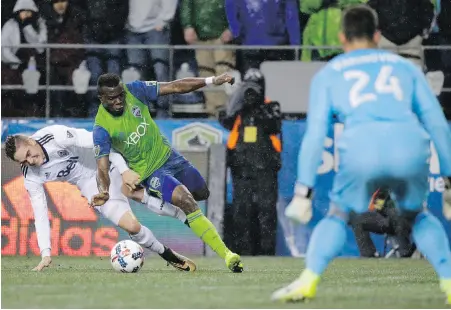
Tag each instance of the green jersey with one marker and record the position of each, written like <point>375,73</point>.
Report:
<point>134,134</point>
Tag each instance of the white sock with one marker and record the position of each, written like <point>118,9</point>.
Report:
<point>157,206</point>
<point>146,238</point>
<point>145,197</point>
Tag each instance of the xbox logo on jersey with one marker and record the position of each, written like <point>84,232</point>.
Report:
<point>134,137</point>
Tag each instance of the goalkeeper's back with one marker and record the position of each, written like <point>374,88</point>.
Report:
<point>374,87</point>
<point>370,85</point>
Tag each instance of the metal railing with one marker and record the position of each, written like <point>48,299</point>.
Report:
<point>172,48</point>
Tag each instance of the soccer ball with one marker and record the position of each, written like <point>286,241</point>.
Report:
<point>127,256</point>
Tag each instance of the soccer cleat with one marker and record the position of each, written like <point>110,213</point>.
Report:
<point>299,290</point>
<point>233,262</point>
<point>178,261</point>
<point>445,286</point>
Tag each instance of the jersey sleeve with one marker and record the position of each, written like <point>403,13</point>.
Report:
<point>146,91</point>
<point>42,223</point>
<point>102,142</point>
<point>118,161</point>
<point>319,118</point>
<point>67,137</point>
<point>429,112</point>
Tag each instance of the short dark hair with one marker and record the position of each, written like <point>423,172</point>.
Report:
<point>108,80</point>
<point>359,22</point>
<point>10,146</point>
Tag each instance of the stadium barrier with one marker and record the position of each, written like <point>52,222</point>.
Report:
<point>47,87</point>
<point>77,230</point>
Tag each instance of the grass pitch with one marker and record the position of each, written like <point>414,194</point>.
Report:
<point>91,283</point>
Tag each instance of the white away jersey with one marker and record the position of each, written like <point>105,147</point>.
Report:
<point>69,157</point>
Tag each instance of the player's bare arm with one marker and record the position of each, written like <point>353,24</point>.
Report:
<point>187,85</point>
<point>103,181</point>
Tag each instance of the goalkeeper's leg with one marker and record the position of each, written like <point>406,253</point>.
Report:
<point>329,235</point>
<point>428,233</point>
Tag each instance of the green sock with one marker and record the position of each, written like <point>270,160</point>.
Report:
<point>205,230</point>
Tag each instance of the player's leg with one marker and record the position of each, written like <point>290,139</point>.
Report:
<point>194,184</point>
<point>189,176</point>
<point>427,231</point>
<point>119,212</point>
<point>166,186</point>
<point>352,190</point>
<point>155,204</point>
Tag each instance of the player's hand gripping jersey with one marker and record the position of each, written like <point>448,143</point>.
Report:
<point>134,134</point>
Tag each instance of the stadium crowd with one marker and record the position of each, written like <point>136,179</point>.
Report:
<point>404,24</point>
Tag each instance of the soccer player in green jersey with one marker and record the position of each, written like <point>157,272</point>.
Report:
<point>123,122</point>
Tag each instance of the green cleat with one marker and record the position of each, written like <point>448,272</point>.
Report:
<point>302,289</point>
<point>445,286</point>
<point>233,262</point>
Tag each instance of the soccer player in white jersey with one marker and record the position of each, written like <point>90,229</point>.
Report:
<point>60,153</point>
<point>385,104</point>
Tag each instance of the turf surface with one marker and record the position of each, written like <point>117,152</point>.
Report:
<point>91,283</point>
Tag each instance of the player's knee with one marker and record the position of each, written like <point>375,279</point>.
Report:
<point>202,194</point>
<point>129,223</point>
<point>134,227</point>
<point>188,203</point>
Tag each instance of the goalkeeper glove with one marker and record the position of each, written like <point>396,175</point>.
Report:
<point>447,199</point>
<point>300,207</point>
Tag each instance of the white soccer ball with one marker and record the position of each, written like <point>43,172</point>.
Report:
<point>127,256</point>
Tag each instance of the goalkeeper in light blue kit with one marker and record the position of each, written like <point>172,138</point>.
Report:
<point>385,103</point>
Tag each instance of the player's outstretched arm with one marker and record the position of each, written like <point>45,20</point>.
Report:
<point>102,148</point>
<point>42,224</point>
<point>187,85</point>
<point>103,182</point>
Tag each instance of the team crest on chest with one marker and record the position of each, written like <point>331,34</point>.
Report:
<point>136,111</point>
<point>63,153</point>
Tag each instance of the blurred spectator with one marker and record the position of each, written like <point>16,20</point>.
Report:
<point>323,26</point>
<point>105,24</point>
<point>403,23</point>
<point>149,23</point>
<point>25,26</point>
<point>64,24</point>
<point>7,8</point>
<point>205,22</point>
<point>180,57</point>
<point>271,22</point>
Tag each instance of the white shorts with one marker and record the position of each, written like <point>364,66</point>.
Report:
<point>117,205</point>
